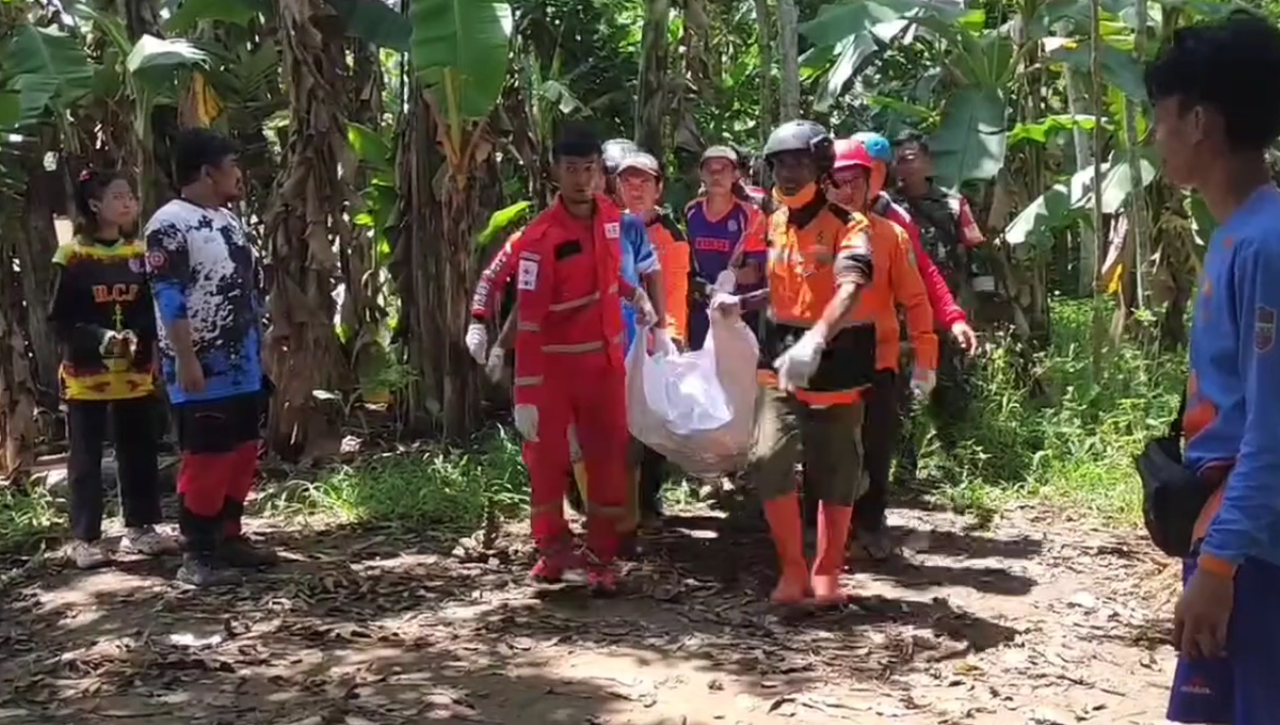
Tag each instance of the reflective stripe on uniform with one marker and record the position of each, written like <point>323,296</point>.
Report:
<point>526,381</point>
<point>574,304</point>
<point>528,327</point>
<point>573,349</point>
<point>812,398</point>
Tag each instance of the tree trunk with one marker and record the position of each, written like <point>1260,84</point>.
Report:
<point>413,265</point>
<point>361,315</point>
<point>34,254</point>
<point>1139,217</point>
<point>764,40</point>
<point>789,44</point>
<point>461,391</point>
<point>698,41</point>
<point>18,403</point>
<point>1095,61</point>
<point>651,104</point>
<point>305,221</point>
<point>433,269</point>
<point>148,152</point>
<point>1082,143</point>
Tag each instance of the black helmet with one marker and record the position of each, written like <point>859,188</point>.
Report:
<point>614,151</point>
<point>802,136</point>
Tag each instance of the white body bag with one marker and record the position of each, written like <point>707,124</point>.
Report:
<point>696,408</point>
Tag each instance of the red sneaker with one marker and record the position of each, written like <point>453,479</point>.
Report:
<point>602,579</point>
<point>559,566</point>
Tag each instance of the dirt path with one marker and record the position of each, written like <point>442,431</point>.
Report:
<point>1038,621</point>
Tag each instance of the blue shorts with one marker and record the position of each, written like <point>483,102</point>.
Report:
<point>1242,688</point>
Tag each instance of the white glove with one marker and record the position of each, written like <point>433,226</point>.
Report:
<point>662,344</point>
<point>726,281</point>
<point>497,359</point>
<point>923,382</point>
<point>726,304</point>
<point>478,342</point>
<point>527,422</point>
<point>800,361</point>
<point>645,314</point>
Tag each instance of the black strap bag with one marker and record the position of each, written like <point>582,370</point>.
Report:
<point>848,362</point>
<point>1172,494</point>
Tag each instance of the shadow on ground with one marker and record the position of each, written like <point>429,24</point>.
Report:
<point>367,625</point>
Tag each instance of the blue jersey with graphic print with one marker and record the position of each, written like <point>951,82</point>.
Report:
<point>638,258</point>
<point>201,268</point>
<point>1233,396</point>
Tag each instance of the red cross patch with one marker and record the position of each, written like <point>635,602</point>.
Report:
<point>1264,328</point>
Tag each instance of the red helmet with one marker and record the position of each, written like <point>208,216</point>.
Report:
<point>850,153</point>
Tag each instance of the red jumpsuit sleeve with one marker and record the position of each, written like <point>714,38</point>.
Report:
<point>945,310</point>
<point>911,294</point>
<point>757,231</point>
<point>970,233</point>
<point>484,302</point>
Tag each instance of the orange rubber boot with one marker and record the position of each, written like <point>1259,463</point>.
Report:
<point>833,534</point>
<point>787,529</point>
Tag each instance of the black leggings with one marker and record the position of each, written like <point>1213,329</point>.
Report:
<point>880,441</point>
<point>134,427</point>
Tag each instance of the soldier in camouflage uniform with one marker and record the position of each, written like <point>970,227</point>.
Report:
<point>949,234</point>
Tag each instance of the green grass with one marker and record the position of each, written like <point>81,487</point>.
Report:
<point>1077,448</point>
<point>28,515</point>
<point>1073,449</point>
<point>436,489</point>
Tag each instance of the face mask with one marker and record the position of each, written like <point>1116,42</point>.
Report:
<point>797,200</point>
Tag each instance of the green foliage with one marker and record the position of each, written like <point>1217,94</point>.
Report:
<point>971,142</point>
<point>375,22</point>
<point>501,221</point>
<point>191,13</point>
<point>438,489</point>
<point>1071,201</point>
<point>1042,130</point>
<point>27,514</point>
<point>460,47</point>
<point>46,68</point>
<point>1077,449</point>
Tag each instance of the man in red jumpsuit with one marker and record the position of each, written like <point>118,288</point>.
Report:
<point>569,348</point>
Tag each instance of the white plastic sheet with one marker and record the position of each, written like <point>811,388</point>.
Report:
<point>697,408</point>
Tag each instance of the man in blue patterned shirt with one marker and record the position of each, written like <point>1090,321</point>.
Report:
<point>203,275</point>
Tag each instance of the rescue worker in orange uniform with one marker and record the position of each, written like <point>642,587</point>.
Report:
<point>856,181</point>
<point>815,358</point>
<point>639,184</point>
<point>570,343</point>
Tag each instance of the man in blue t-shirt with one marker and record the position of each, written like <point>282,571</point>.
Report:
<point>1216,90</point>
<point>204,279</point>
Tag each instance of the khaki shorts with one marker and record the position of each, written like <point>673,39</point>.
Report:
<point>827,440</point>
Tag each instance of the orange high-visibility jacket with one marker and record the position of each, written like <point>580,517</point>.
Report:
<point>672,248</point>
<point>806,248</point>
<point>568,294</point>
<point>896,282</point>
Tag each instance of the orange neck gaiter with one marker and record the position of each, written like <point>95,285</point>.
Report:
<point>797,200</point>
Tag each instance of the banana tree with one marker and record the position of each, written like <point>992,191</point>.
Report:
<point>307,221</point>
<point>134,79</point>
<point>459,50</point>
